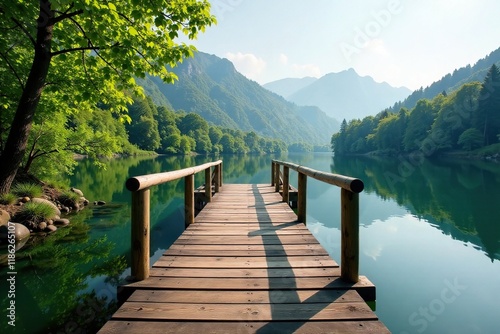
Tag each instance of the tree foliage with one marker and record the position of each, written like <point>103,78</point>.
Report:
<point>70,55</point>
<point>467,118</point>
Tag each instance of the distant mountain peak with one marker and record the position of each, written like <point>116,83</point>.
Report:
<point>344,94</point>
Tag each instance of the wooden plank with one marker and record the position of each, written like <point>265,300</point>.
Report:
<point>245,262</point>
<point>248,312</point>
<point>245,296</point>
<point>263,240</point>
<point>278,283</point>
<point>244,272</point>
<point>227,327</point>
<point>245,252</point>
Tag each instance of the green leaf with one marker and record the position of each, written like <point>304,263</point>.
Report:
<point>132,31</point>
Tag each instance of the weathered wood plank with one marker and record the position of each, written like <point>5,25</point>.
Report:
<point>225,327</point>
<point>271,283</point>
<point>245,296</point>
<point>248,312</point>
<point>245,262</point>
<point>245,273</point>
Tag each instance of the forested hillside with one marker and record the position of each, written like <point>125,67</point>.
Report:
<point>211,87</point>
<point>451,81</point>
<point>467,119</point>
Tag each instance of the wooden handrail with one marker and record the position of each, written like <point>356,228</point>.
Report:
<point>140,216</point>
<point>349,197</point>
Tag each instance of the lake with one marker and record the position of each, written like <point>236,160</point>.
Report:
<point>429,240</point>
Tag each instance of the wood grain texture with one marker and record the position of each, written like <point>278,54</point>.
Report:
<point>246,265</point>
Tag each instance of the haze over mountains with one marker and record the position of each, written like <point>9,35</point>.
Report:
<point>211,87</point>
<point>343,95</point>
<point>294,110</point>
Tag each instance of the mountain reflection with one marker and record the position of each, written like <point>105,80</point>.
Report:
<point>459,198</point>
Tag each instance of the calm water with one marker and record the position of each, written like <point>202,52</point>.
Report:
<point>430,241</point>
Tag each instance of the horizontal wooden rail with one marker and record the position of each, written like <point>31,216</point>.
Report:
<point>139,186</point>
<point>350,189</point>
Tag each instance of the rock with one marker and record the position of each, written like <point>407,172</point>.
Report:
<point>51,228</point>
<point>42,226</point>
<point>77,191</point>
<point>4,217</point>
<point>61,222</point>
<point>99,203</point>
<point>21,232</point>
<point>42,200</point>
<point>50,222</point>
<point>84,201</point>
<point>65,209</point>
<point>25,199</point>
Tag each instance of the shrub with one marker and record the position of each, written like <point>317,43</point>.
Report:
<point>27,189</point>
<point>35,212</point>
<point>8,199</point>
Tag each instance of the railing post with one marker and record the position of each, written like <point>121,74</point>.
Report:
<point>273,172</point>
<point>217,178</point>
<point>189,200</point>
<point>140,234</point>
<point>286,184</point>
<point>208,185</point>
<point>221,179</point>
<point>277,177</point>
<point>350,236</point>
<point>302,197</point>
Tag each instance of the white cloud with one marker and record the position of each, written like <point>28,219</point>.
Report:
<point>248,64</point>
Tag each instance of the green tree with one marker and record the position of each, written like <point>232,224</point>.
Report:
<point>143,129</point>
<point>488,115</point>
<point>78,53</point>
<point>470,139</point>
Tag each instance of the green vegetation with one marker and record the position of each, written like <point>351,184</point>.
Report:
<point>35,212</point>
<point>68,198</point>
<point>466,119</point>
<point>68,69</point>
<point>27,190</point>
<point>8,199</point>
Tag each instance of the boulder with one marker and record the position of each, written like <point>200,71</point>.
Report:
<point>84,201</point>
<point>99,203</point>
<point>61,222</point>
<point>51,228</point>
<point>43,200</point>
<point>21,232</point>
<point>77,191</point>
<point>4,217</point>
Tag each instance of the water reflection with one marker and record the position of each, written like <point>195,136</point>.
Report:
<point>460,199</point>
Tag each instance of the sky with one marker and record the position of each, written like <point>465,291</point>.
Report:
<point>406,43</point>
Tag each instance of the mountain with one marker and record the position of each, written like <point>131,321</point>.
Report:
<point>211,87</point>
<point>289,86</point>
<point>451,81</point>
<point>347,95</point>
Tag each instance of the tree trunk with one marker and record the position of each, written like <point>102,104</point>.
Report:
<point>15,146</point>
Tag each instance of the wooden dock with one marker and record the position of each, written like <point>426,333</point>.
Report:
<point>246,265</point>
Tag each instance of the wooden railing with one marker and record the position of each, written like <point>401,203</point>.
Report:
<point>140,185</point>
<point>350,189</point>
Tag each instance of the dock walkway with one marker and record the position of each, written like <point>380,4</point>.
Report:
<point>246,266</point>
